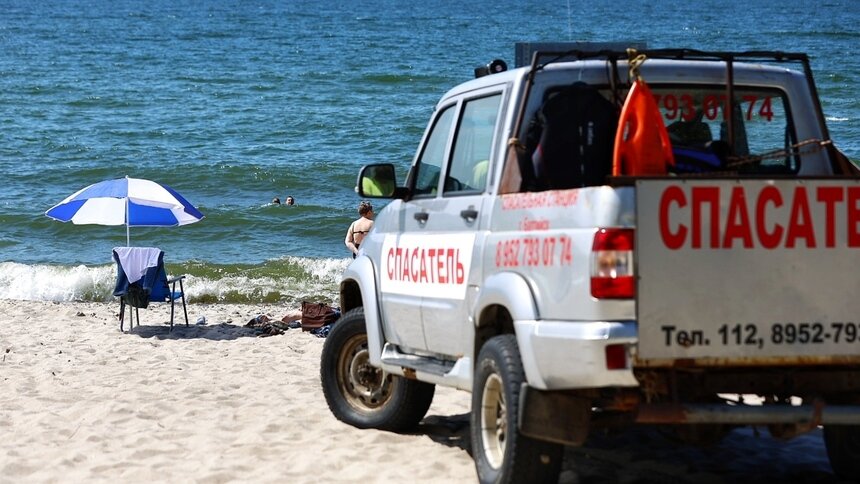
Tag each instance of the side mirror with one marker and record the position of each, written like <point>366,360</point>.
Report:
<point>377,181</point>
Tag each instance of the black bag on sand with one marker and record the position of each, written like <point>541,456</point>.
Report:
<point>316,315</point>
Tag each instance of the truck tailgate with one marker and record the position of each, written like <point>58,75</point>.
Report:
<point>748,271</point>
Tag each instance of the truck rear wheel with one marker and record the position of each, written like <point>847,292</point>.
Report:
<point>843,450</point>
<point>501,453</point>
<point>360,394</point>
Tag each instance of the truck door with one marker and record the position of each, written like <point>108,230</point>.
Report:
<point>451,224</point>
<point>401,293</point>
<point>426,264</point>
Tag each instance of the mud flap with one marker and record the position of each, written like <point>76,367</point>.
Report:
<point>553,416</point>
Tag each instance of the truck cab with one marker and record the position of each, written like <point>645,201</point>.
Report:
<point>548,256</point>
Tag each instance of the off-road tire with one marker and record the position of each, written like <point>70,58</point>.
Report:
<point>843,450</point>
<point>501,454</point>
<point>360,394</point>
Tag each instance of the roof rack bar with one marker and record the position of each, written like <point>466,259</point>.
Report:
<point>688,54</point>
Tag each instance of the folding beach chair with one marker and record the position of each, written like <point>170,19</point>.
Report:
<point>141,279</point>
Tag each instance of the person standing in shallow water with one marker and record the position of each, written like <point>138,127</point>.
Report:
<point>359,228</point>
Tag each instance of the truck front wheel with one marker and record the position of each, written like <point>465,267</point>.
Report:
<point>360,394</point>
<point>843,450</point>
<point>501,454</point>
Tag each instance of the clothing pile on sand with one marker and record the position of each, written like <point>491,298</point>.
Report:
<point>266,325</point>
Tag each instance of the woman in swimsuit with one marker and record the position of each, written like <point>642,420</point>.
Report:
<point>359,228</point>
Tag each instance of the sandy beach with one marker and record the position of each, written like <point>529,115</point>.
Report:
<point>213,402</point>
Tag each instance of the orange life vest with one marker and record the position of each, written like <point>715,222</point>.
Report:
<point>642,144</point>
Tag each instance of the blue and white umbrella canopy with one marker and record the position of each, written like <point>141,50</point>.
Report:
<point>132,202</point>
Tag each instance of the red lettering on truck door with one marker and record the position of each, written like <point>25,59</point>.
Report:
<point>390,264</point>
<point>414,265</point>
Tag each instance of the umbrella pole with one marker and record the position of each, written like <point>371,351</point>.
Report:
<point>127,235</point>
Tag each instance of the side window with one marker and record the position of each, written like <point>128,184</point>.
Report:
<point>429,164</point>
<point>470,161</point>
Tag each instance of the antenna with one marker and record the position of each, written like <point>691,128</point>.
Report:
<point>569,29</point>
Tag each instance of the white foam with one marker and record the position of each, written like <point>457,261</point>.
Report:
<point>319,279</point>
<point>326,270</point>
<point>56,283</point>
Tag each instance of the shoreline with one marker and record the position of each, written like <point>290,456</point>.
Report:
<point>282,281</point>
<point>215,403</point>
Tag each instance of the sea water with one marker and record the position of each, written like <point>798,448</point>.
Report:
<point>233,103</point>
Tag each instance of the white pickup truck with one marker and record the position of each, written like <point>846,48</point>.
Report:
<point>521,263</point>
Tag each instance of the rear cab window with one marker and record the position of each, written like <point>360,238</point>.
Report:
<point>695,117</point>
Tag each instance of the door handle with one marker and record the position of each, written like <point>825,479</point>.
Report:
<point>469,214</point>
<point>421,217</point>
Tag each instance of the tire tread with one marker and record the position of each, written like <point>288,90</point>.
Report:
<point>523,462</point>
<point>409,402</point>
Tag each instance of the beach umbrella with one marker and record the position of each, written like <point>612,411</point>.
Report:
<point>132,202</point>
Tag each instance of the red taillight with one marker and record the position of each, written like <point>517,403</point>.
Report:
<point>612,274</point>
<point>616,357</point>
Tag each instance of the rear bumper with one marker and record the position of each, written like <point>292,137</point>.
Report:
<point>563,355</point>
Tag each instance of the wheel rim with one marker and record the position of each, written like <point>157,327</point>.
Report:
<point>494,421</point>
<point>364,386</point>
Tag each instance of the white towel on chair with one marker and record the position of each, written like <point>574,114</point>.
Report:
<point>136,260</point>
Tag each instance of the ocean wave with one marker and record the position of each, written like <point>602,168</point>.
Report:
<point>288,280</point>
<point>40,282</point>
